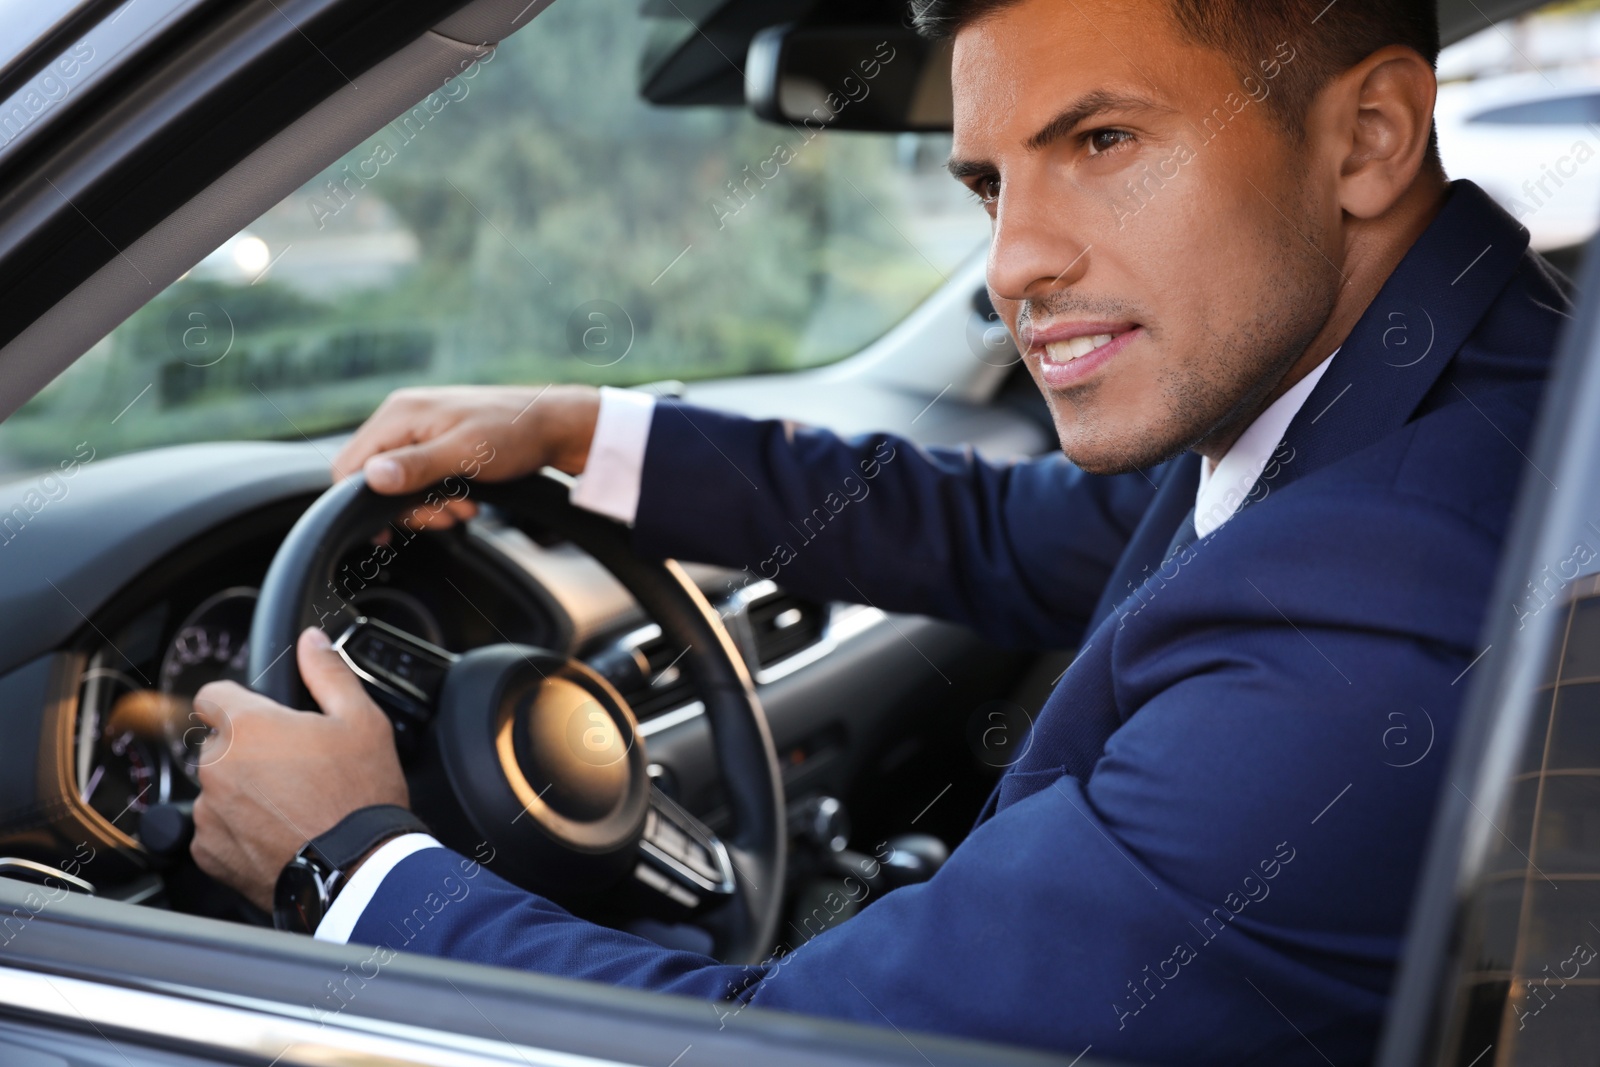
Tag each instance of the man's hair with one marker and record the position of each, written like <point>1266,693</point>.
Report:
<point>1328,39</point>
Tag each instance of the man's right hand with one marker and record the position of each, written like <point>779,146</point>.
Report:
<point>418,437</point>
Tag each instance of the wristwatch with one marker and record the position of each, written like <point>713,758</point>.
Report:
<point>309,883</point>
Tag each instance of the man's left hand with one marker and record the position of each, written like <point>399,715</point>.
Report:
<point>272,778</point>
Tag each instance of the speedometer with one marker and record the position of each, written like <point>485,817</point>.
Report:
<point>211,645</point>
<point>121,766</point>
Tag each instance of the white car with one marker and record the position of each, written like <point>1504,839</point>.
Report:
<point>1532,141</point>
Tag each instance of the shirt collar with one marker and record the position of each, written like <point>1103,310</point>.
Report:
<point>1223,491</point>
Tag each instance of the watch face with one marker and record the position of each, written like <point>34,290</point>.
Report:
<point>300,899</point>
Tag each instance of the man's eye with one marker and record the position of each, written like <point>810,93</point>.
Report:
<point>1103,141</point>
<point>987,190</point>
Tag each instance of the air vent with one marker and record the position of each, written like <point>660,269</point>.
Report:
<point>784,624</point>
<point>668,683</point>
<point>662,686</point>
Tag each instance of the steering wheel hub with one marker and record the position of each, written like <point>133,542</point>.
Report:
<point>559,746</point>
<point>545,759</point>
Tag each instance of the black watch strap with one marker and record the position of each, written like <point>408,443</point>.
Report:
<point>356,834</point>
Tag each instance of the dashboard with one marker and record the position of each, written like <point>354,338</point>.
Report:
<point>126,596</point>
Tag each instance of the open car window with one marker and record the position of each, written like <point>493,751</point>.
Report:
<point>531,220</point>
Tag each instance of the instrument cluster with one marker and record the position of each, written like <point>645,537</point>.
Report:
<point>138,739</point>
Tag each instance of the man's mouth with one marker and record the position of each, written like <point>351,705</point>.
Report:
<point>1068,353</point>
<point>1077,347</point>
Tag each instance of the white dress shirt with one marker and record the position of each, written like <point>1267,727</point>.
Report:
<point>610,485</point>
<point>1223,489</point>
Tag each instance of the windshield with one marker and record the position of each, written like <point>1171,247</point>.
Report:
<point>533,220</point>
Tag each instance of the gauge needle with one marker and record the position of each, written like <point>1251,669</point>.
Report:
<point>94,780</point>
<point>131,803</point>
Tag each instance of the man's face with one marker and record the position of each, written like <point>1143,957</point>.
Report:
<point>1141,192</point>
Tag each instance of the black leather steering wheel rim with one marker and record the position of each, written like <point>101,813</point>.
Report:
<point>349,513</point>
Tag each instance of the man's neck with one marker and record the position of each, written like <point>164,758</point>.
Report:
<point>1373,249</point>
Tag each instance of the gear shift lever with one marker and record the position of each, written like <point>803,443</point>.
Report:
<point>913,858</point>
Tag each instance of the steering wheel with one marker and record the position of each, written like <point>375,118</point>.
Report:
<point>530,752</point>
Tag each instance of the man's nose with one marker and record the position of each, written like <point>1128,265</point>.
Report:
<point>1034,251</point>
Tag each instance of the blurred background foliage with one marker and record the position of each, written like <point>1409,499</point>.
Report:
<point>532,220</point>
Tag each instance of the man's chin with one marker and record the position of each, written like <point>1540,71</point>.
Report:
<point>1122,457</point>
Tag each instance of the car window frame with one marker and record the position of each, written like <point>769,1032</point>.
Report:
<point>160,980</point>
<point>1499,709</point>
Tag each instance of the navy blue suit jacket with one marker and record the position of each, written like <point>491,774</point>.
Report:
<point>1207,852</point>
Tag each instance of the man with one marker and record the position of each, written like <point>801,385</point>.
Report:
<point>1295,371</point>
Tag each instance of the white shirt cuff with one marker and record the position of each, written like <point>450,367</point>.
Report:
<point>610,480</point>
<point>340,922</point>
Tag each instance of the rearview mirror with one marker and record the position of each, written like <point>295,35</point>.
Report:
<point>884,79</point>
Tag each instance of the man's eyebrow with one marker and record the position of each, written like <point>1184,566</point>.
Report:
<point>962,169</point>
<point>1086,108</point>
<point>1068,119</point>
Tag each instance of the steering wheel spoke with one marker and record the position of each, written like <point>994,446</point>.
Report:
<point>403,673</point>
<point>681,859</point>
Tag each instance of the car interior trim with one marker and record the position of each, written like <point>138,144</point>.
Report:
<point>43,873</point>
<point>58,788</point>
<point>676,717</point>
<point>845,622</point>
<point>90,58</point>
<point>263,1029</point>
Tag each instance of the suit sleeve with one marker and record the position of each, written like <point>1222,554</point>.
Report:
<point>1019,552</point>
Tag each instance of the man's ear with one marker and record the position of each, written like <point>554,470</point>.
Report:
<point>1374,123</point>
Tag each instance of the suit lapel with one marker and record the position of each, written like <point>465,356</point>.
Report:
<point>1420,319</point>
<point>1147,549</point>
